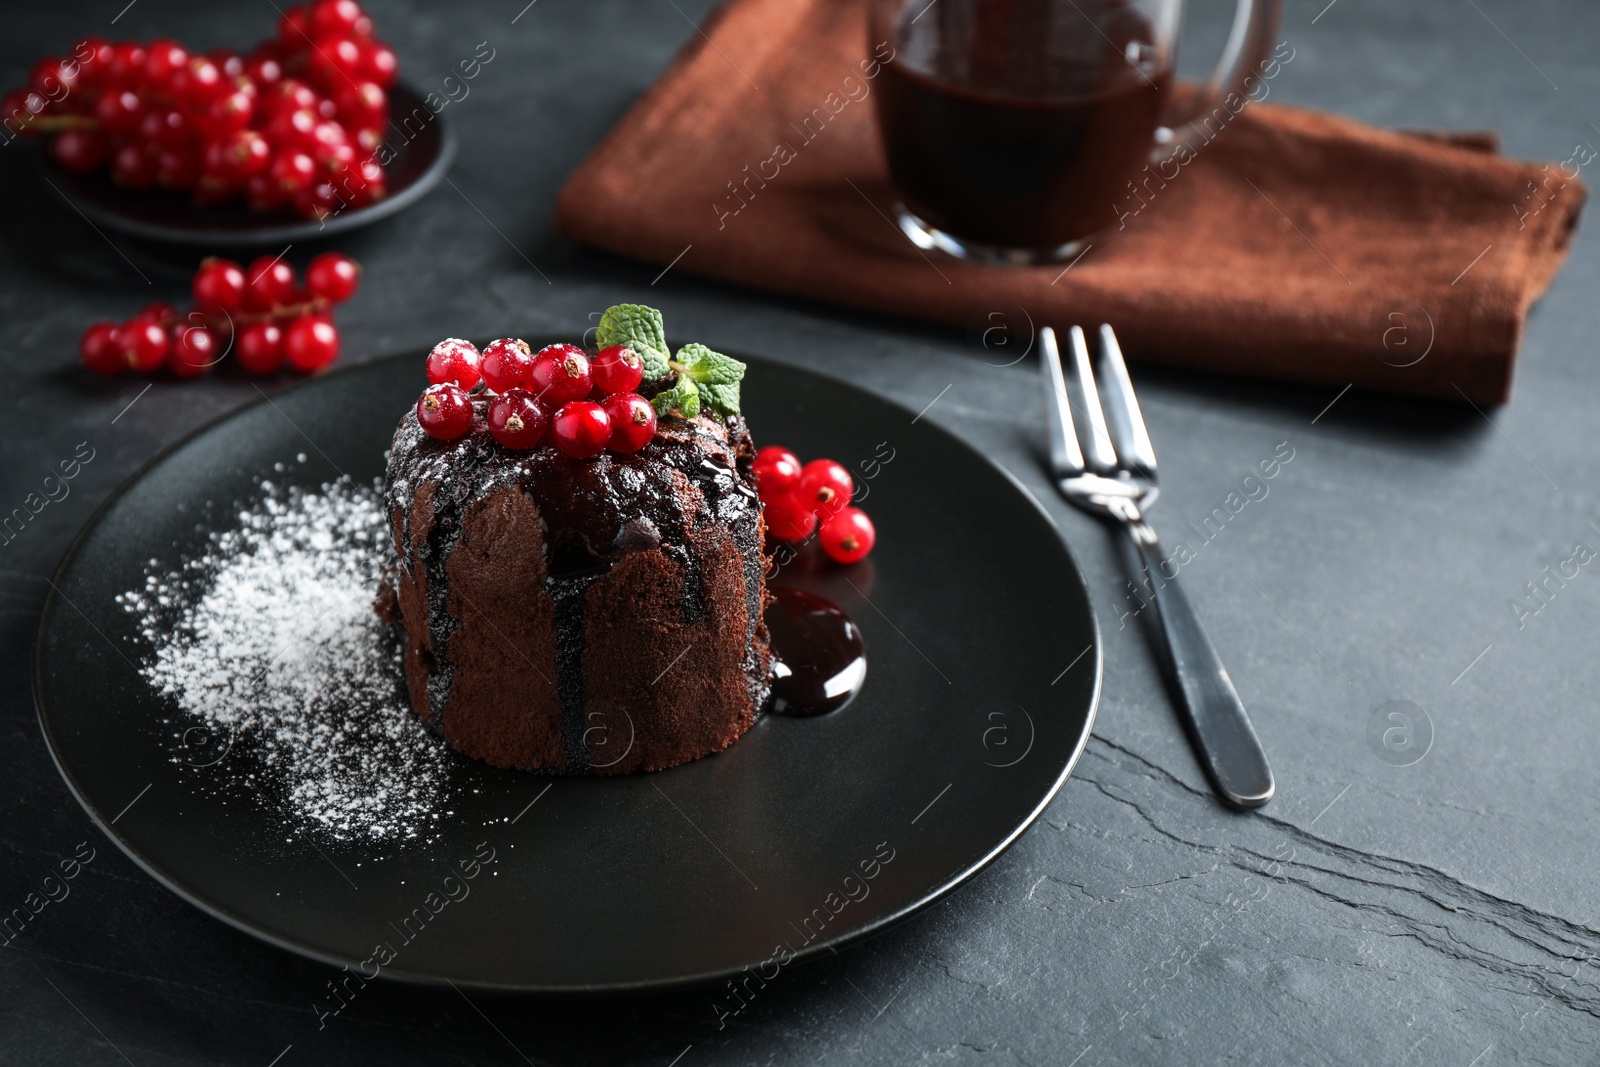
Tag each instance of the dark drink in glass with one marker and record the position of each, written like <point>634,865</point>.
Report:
<point>1013,127</point>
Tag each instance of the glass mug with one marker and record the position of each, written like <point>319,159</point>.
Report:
<point>1014,127</point>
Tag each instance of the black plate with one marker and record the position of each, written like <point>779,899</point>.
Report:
<point>423,151</point>
<point>972,610</point>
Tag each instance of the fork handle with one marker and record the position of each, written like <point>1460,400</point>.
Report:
<point>1227,743</point>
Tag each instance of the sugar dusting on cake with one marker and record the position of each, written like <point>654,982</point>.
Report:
<point>268,647</point>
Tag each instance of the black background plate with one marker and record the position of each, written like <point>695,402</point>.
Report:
<point>970,606</point>
<point>422,153</point>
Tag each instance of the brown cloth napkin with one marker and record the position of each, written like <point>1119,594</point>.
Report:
<point>1294,245</point>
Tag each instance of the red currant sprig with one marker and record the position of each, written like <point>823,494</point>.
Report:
<point>292,125</point>
<point>798,500</point>
<point>270,320</point>
<point>581,404</point>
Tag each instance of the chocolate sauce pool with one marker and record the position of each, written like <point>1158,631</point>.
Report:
<point>818,659</point>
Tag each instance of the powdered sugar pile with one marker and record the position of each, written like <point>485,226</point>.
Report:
<point>269,648</point>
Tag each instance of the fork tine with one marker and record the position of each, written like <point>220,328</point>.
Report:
<point>1102,457</point>
<point>1128,431</point>
<point>1066,460</point>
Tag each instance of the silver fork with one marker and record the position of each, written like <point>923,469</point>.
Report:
<point>1114,474</point>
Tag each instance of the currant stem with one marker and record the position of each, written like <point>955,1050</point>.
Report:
<point>58,123</point>
<point>279,312</point>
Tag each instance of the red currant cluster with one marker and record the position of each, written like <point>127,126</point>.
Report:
<point>798,499</point>
<point>583,404</point>
<point>271,319</point>
<point>295,123</point>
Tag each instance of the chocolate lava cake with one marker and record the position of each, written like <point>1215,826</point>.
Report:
<point>594,615</point>
<point>555,606</point>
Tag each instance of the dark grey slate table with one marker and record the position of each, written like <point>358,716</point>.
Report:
<point>1440,912</point>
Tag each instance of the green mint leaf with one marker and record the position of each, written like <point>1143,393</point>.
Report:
<point>708,367</point>
<point>723,399</point>
<point>641,329</point>
<point>654,360</point>
<point>626,324</point>
<point>684,398</point>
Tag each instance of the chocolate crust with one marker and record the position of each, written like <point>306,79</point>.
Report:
<point>580,616</point>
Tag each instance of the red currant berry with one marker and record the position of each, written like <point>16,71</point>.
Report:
<point>261,192</point>
<point>268,283</point>
<point>260,347</point>
<point>848,536</point>
<point>506,363</point>
<point>177,168</point>
<point>789,519</point>
<point>361,105</point>
<point>777,471</point>
<point>165,127</point>
<point>133,166</point>
<point>327,133</point>
<point>581,429</point>
<point>516,421</point>
<point>444,411</point>
<point>825,486</point>
<point>366,184</point>
<point>292,128</point>
<point>16,113</point>
<point>560,373</point>
<point>310,343</point>
<point>159,310</point>
<point>99,350</point>
<point>118,111</point>
<point>127,63</point>
<point>633,421</point>
<point>264,70</point>
<point>143,343</point>
<point>197,83</point>
<point>334,60</point>
<point>163,59</point>
<point>455,361</point>
<point>52,78</point>
<point>219,285</point>
<point>335,16</point>
<point>381,64</point>
<point>229,62</point>
<point>194,351</point>
<point>94,56</point>
<point>333,276</point>
<point>80,151</point>
<point>334,160</point>
<point>228,113</point>
<point>781,459</point>
<point>293,24</point>
<point>292,172</point>
<point>317,201</point>
<point>244,153</point>
<point>289,95</point>
<point>617,369</point>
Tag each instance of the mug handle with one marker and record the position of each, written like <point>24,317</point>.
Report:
<point>1249,45</point>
